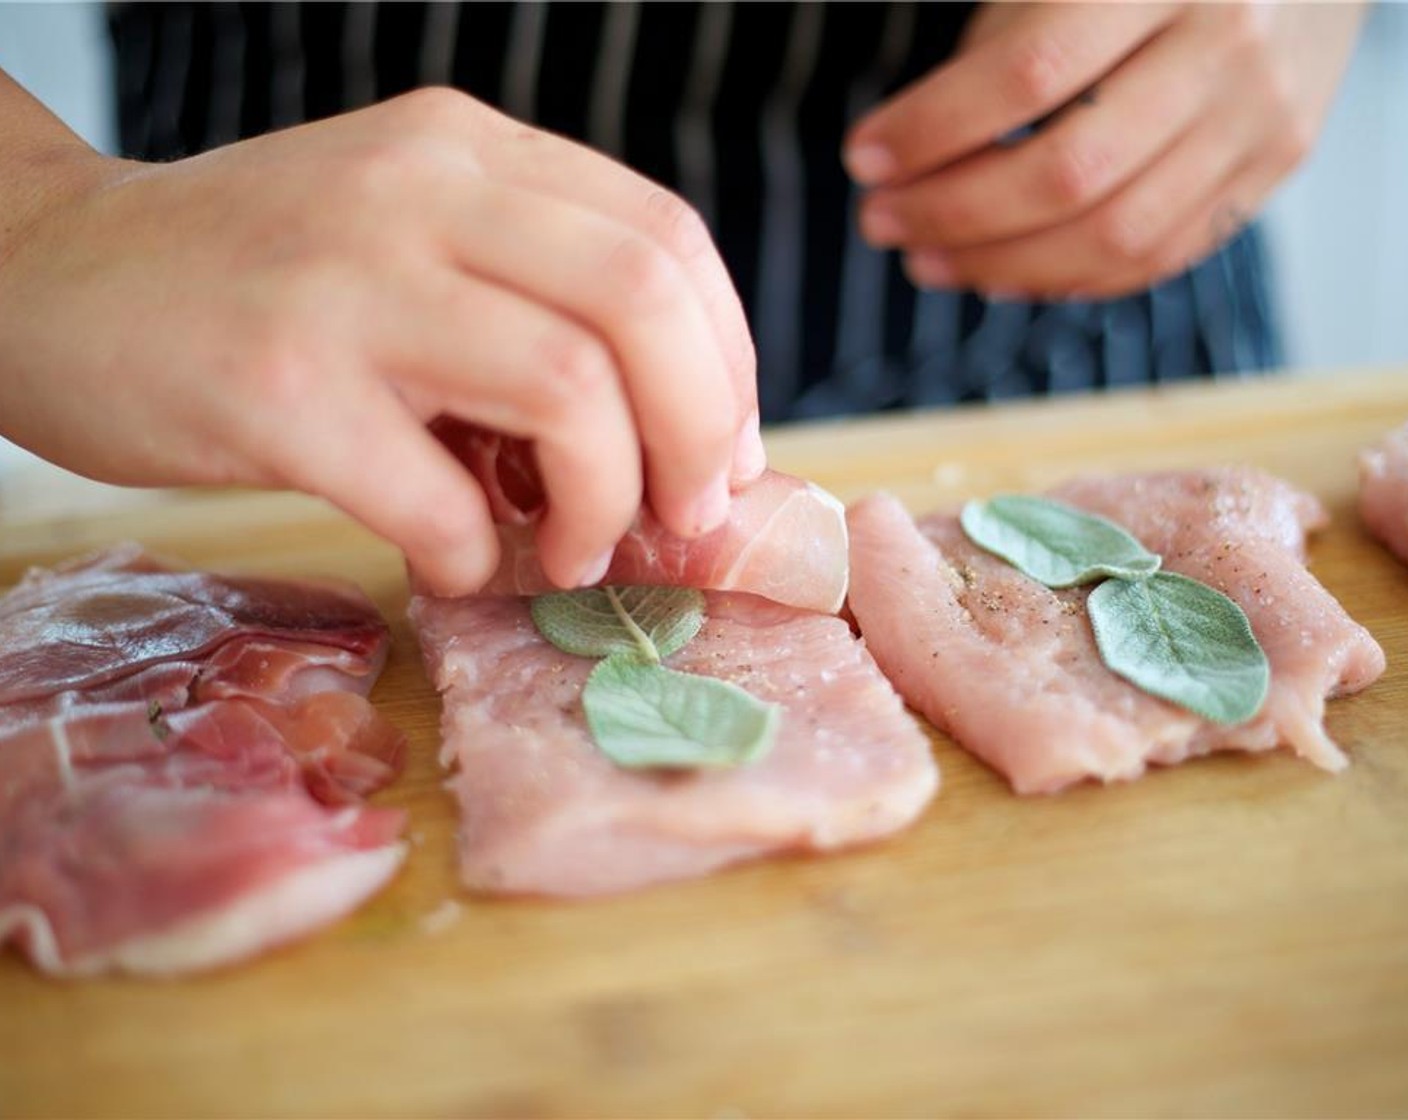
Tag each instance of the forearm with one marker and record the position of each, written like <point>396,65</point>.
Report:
<point>41,163</point>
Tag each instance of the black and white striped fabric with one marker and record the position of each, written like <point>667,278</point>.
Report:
<point>741,108</point>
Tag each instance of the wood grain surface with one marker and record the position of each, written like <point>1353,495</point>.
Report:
<point>1229,937</point>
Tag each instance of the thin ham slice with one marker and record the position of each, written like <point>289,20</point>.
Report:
<point>1383,490</point>
<point>543,811</point>
<point>100,624</point>
<point>785,538</point>
<point>1010,667</point>
<point>183,759</point>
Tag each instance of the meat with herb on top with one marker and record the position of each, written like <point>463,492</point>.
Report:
<point>183,759</point>
<point>1010,667</point>
<point>545,811</point>
<point>770,731</point>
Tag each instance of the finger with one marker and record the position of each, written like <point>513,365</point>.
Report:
<point>1217,221</point>
<point>1116,237</point>
<point>370,457</point>
<point>517,154</point>
<point>677,227</point>
<point>462,345</point>
<point>1091,149</point>
<point>634,296</point>
<point>1020,74</point>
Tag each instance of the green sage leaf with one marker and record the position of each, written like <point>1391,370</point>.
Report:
<point>1183,641</point>
<point>1054,543</point>
<point>648,622</point>
<point>644,715</point>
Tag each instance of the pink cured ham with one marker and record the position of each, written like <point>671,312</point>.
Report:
<point>122,625</point>
<point>183,759</point>
<point>543,811</point>
<point>785,538</point>
<point>1010,668</point>
<point>1383,490</point>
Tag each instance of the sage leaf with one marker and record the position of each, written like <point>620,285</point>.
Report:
<point>642,714</point>
<point>648,622</point>
<point>1183,641</point>
<point>1054,543</point>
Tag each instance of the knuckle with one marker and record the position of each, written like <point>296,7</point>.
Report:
<point>1278,87</point>
<point>576,367</point>
<point>1174,259</point>
<point>280,373</point>
<point>1294,133</point>
<point>700,442</point>
<point>644,278</point>
<point>742,358</point>
<point>1076,171</point>
<point>377,171</point>
<point>1244,26</point>
<point>430,108</point>
<point>1121,233</point>
<point>1294,143</point>
<point>942,215</point>
<point>1036,75</point>
<point>436,526</point>
<point>678,225</point>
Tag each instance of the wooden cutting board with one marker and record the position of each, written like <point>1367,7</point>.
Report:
<point>1228,937</point>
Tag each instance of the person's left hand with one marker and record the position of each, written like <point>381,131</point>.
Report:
<point>1162,130</point>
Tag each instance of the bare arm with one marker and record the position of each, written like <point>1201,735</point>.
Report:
<point>44,162</point>
<point>291,311</point>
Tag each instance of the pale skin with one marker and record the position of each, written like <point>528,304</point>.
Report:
<point>290,312</point>
<point>1169,126</point>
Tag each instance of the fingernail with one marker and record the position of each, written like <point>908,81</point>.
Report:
<point>711,508</point>
<point>929,269</point>
<point>595,572</point>
<point>750,458</point>
<point>880,224</point>
<point>870,163</point>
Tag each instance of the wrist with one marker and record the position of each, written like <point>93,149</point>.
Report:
<point>43,178</point>
<point>42,165</point>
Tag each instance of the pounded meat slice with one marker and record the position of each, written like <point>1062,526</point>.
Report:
<point>1383,490</point>
<point>785,538</point>
<point>1244,532</point>
<point>1010,667</point>
<point>544,811</point>
<point>182,762</point>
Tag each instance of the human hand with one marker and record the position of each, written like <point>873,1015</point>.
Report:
<point>1169,126</point>
<point>291,311</point>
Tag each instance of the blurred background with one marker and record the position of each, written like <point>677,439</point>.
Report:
<point>1338,229</point>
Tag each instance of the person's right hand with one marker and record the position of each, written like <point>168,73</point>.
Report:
<point>290,311</point>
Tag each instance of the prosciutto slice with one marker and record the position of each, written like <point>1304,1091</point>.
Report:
<point>1383,490</point>
<point>785,538</point>
<point>544,811</point>
<point>1010,668</point>
<point>183,759</point>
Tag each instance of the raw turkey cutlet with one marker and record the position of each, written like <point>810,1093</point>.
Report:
<point>1010,667</point>
<point>545,811</point>
<point>183,758</point>
<point>1383,490</point>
